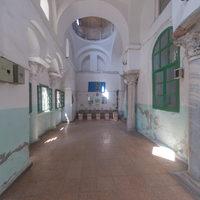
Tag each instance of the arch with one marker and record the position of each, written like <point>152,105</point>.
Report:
<point>85,63</point>
<point>54,67</point>
<point>97,8</point>
<point>93,54</point>
<point>38,60</point>
<point>93,48</point>
<point>36,35</point>
<point>100,62</point>
<point>37,27</point>
<point>59,58</point>
<point>33,42</point>
<point>37,44</point>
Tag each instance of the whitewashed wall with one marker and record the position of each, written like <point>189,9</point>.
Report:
<point>15,121</point>
<point>96,56</point>
<point>182,10</point>
<point>167,128</point>
<point>113,83</point>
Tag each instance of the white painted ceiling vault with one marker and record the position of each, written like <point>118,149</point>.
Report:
<point>125,15</point>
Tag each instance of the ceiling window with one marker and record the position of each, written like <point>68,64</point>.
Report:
<point>162,5</point>
<point>44,4</point>
<point>93,28</point>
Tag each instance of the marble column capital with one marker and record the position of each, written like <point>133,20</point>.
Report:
<point>191,42</point>
<point>53,78</point>
<point>35,69</point>
<point>131,77</point>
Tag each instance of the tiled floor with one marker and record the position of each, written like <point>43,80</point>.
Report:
<point>96,161</point>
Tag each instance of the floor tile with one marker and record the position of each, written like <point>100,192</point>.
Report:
<point>97,160</point>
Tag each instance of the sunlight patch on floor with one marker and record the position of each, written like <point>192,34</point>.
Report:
<point>164,152</point>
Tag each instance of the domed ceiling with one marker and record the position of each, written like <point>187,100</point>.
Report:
<point>93,28</point>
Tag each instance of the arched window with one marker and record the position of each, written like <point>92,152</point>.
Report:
<point>165,59</point>
<point>44,4</point>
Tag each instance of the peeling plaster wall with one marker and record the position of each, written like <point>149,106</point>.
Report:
<point>170,129</point>
<point>167,128</point>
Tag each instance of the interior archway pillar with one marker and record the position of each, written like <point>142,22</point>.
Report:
<point>191,43</point>
<point>35,69</point>
<point>131,78</point>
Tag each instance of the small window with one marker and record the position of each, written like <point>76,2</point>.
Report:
<point>59,99</point>
<point>44,4</point>
<point>162,5</point>
<point>165,60</point>
<point>44,98</point>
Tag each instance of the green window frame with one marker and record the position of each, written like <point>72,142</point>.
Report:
<point>162,5</point>
<point>165,59</point>
<point>30,98</point>
<point>44,96</point>
<point>59,99</point>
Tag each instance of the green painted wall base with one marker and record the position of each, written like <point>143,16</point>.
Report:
<point>14,142</point>
<point>12,179</point>
<point>168,128</point>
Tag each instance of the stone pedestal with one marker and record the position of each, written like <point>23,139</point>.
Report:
<point>98,116</point>
<point>115,116</point>
<point>131,78</point>
<point>80,116</point>
<point>89,116</point>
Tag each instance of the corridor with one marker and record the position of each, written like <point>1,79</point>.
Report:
<point>96,160</point>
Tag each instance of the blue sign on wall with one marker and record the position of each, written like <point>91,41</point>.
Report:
<point>96,87</point>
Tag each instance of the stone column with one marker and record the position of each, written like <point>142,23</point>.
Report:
<point>130,78</point>
<point>191,43</point>
<point>53,80</point>
<point>35,69</point>
<point>33,116</point>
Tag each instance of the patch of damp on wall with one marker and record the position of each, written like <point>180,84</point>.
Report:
<point>168,128</point>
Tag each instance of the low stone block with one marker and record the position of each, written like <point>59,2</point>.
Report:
<point>107,116</point>
<point>89,116</point>
<point>80,116</point>
<point>98,116</point>
<point>115,116</point>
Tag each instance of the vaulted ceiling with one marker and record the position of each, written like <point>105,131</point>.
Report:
<point>125,15</point>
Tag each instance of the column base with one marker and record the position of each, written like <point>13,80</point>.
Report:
<point>191,184</point>
<point>130,128</point>
<point>130,125</point>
